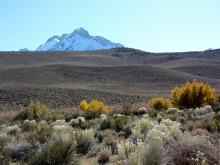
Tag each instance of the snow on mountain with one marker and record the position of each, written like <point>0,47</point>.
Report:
<point>24,50</point>
<point>50,43</point>
<point>78,40</point>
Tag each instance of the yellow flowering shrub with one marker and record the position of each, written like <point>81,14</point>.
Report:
<point>84,105</point>
<point>159,103</point>
<point>94,108</point>
<point>32,111</point>
<point>192,95</point>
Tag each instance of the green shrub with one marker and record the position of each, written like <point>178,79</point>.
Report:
<point>111,140</point>
<point>106,124</point>
<point>12,130</point>
<point>4,140</point>
<point>215,121</point>
<point>127,131</point>
<point>5,157</point>
<point>100,137</point>
<point>113,145</point>
<point>58,153</point>
<point>142,111</point>
<point>115,123</point>
<point>216,109</point>
<point>33,111</point>
<point>29,125</point>
<point>87,124</point>
<point>159,103</point>
<point>134,159</point>
<point>42,135</point>
<point>206,124</point>
<point>145,126</point>
<point>19,150</point>
<point>119,122</point>
<point>172,111</point>
<point>192,95</point>
<point>104,155</point>
<point>152,113</point>
<point>182,120</point>
<point>130,153</point>
<point>125,149</point>
<point>84,141</point>
<point>152,153</point>
<point>173,118</point>
<point>78,122</point>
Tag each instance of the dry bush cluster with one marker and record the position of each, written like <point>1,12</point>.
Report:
<point>102,135</point>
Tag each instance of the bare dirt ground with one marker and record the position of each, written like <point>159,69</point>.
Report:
<point>63,79</point>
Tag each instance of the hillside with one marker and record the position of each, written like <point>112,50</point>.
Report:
<point>63,79</point>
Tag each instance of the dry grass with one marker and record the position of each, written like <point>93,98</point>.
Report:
<point>6,116</point>
<point>200,131</point>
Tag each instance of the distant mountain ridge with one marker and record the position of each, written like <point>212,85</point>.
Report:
<point>78,40</point>
<point>24,50</point>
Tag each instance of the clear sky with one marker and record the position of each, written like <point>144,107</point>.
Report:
<point>149,25</point>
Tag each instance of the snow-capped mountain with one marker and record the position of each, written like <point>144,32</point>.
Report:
<point>78,40</point>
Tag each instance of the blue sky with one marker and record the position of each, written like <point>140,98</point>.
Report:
<point>149,25</point>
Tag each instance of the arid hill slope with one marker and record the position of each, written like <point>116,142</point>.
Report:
<point>63,79</point>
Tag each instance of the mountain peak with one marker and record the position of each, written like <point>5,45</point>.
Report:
<point>24,50</point>
<point>52,38</point>
<point>80,31</point>
<point>78,40</point>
